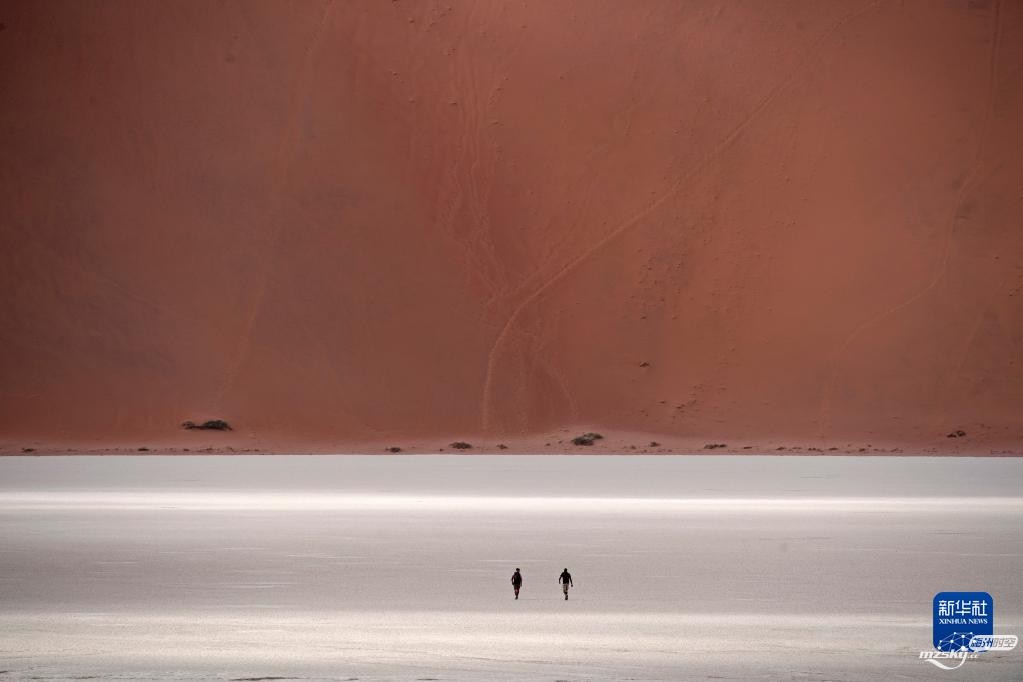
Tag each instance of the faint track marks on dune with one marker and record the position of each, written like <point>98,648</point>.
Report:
<point>993,62</point>
<point>673,188</point>
<point>824,415</point>
<point>285,159</point>
<point>464,196</point>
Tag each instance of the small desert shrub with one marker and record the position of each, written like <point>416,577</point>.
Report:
<point>586,438</point>
<point>210,425</point>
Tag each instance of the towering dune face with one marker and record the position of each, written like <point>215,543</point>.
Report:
<point>344,221</point>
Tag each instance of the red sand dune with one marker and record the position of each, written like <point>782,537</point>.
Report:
<point>405,222</point>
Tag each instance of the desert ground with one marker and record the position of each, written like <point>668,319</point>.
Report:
<point>404,224</point>
<point>397,568</point>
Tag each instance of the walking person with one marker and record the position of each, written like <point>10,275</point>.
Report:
<point>566,581</point>
<point>516,582</point>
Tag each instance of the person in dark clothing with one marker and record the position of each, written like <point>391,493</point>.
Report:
<point>516,582</point>
<point>566,580</point>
